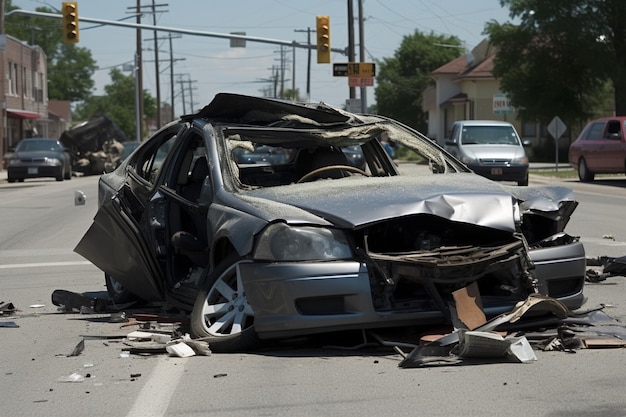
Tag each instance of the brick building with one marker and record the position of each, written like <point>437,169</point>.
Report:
<point>24,92</point>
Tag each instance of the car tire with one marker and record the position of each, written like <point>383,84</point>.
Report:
<point>11,178</point>
<point>68,173</point>
<point>524,182</point>
<point>584,174</point>
<point>60,175</point>
<point>117,293</point>
<point>223,288</point>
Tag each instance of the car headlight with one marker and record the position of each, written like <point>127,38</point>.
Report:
<point>52,162</point>
<point>13,162</point>
<point>280,242</point>
<point>520,161</point>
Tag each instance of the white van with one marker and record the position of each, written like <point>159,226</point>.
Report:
<point>490,148</point>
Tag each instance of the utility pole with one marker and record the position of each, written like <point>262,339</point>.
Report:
<point>182,91</point>
<point>362,55</point>
<point>191,104</point>
<point>156,64</point>
<point>351,40</point>
<point>139,64</point>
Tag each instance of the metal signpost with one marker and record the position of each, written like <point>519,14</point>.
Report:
<point>556,128</point>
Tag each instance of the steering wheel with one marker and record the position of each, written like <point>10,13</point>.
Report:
<point>346,168</point>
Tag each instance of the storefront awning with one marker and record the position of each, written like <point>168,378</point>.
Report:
<point>22,114</point>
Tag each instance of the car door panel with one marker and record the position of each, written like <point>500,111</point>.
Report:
<point>115,244</point>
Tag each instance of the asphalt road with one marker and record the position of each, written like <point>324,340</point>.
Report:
<point>40,226</point>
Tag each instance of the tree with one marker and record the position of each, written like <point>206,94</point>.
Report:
<point>70,68</point>
<point>561,55</point>
<point>118,104</point>
<point>402,79</point>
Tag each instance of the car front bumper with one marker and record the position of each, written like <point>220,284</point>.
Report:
<point>290,299</point>
<point>501,172</point>
<point>41,171</point>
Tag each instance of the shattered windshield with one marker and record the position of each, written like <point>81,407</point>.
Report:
<point>262,157</point>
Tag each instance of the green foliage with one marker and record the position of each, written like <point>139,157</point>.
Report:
<point>70,68</point>
<point>559,58</point>
<point>402,79</point>
<point>118,103</point>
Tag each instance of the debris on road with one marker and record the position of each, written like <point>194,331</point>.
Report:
<point>7,308</point>
<point>611,267</point>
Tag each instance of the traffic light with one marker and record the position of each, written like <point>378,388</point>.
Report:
<point>323,40</point>
<point>70,21</point>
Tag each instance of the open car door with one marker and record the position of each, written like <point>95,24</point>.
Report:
<point>115,244</point>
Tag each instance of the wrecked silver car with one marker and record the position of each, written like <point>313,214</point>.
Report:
<point>259,248</point>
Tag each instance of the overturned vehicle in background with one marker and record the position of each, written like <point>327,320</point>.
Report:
<point>308,242</point>
<point>95,146</point>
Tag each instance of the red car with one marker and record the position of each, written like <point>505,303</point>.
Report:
<point>600,148</point>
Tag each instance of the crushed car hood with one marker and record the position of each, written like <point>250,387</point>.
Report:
<point>355,202</point>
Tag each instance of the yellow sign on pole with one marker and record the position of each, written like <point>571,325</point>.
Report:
<point>361,69</point>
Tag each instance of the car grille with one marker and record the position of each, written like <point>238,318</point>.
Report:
<point>495,161</point>
<point>32,160</point>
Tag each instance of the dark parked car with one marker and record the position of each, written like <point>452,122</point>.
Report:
<point>490,148</point>
<point>38,158</point>
<point>312,243</point>
<point>600,148</point>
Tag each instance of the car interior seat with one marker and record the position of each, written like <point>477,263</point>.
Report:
<point>192,240</point>
<point>308,161</point>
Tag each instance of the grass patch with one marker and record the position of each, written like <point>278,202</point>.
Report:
<point>561,173</point>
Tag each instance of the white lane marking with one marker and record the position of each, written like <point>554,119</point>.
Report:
<point>47,264</point>
<point>155,396</point>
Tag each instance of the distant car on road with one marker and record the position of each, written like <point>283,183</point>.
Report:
<point>600,148</point>
<point>490,148</point>
<point>38,158</point>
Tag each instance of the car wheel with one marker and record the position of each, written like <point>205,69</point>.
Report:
<point>221,314</point>
<point>583,172</point>
<point>117,292</point>
<point>523,182</point>
<point>11,178</point>
<point>60,175</point>
<point>68,173</point>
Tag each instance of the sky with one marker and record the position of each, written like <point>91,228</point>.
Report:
<point>206,66</point>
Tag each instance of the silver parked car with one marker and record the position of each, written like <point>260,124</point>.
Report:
<point>490,148</point>
<point>311,243</point>
<point>38,158</point>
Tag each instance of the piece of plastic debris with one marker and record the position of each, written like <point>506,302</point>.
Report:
<point>180,349</point>
<point>74,377</point>
<point>139,335</point>
<point>78,349</point>
<point>37,305</point>
<point>119,317</point>
<point>161,338</point>
<point>7,308</point>
<point>199,346</point>
<point>125,354</point>
<point>79,198</point>
<point>9,324</point>
<point>88,365</point>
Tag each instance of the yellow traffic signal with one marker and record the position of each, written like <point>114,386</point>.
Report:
<point>323,39</point>
<point>70,21</point>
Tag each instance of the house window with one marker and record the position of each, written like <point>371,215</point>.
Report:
<point>11,79</point>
